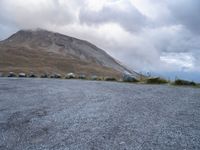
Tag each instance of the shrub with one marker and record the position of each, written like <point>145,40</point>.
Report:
<point>184,82</point>
<point>156,80</point>
<point>110,79</point>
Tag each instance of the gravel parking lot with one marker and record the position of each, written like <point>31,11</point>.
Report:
<point>42,114</point>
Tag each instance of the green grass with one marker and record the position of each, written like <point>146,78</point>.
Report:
<point>110,79</point>
<point>156,80</point>
<point>185,82</point>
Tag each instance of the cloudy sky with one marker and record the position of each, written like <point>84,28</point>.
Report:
<point>160,36</point>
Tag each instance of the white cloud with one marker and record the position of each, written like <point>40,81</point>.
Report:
<point>183,61</point>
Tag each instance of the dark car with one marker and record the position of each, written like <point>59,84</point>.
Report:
<point>12,74</point>
<point>32,75</point>
<point>44,76</point>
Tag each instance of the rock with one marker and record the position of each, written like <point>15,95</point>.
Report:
<point>22,75</point>
<point>70,76</point>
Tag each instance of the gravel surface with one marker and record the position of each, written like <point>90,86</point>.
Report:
<point>42,114</point>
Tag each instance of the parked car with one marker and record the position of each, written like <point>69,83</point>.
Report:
<point>12,74</point>
<point>82,76</point>
<point>129,78</point>
<point>44,76</point>
<point>70,76</point>
<point>22,75</point>
<point>55,76</point>
<point>94,77</point>
<point>32,75</point>
<point>1,74</point>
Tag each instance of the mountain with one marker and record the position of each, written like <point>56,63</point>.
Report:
<point>41,51</point>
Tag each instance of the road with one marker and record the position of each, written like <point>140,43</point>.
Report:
<point>51,114</point>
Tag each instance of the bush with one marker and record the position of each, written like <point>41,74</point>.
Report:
<point>157,80</point>
<point>184,82</point>
<point>110,79</point>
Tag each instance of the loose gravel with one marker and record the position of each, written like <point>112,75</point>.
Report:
<point>51,114</point>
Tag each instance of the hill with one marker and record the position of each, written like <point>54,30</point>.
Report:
<point>41,51</point>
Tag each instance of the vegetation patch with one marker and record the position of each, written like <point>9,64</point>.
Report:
<point>156,80</point>
<point>110,79</point>
<point>184,82</point>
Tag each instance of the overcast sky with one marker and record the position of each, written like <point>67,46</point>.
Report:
<point>146,35</point>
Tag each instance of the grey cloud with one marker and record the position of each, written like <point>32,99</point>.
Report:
<point>129,17</point>
<point>35,14</point>
<point>186,12</point>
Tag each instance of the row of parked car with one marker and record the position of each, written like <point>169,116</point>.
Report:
<point>68,76</point>
<point>126,78</point>
<point>32,75</point>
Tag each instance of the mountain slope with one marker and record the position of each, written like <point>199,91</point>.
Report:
<point>42,51</point>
